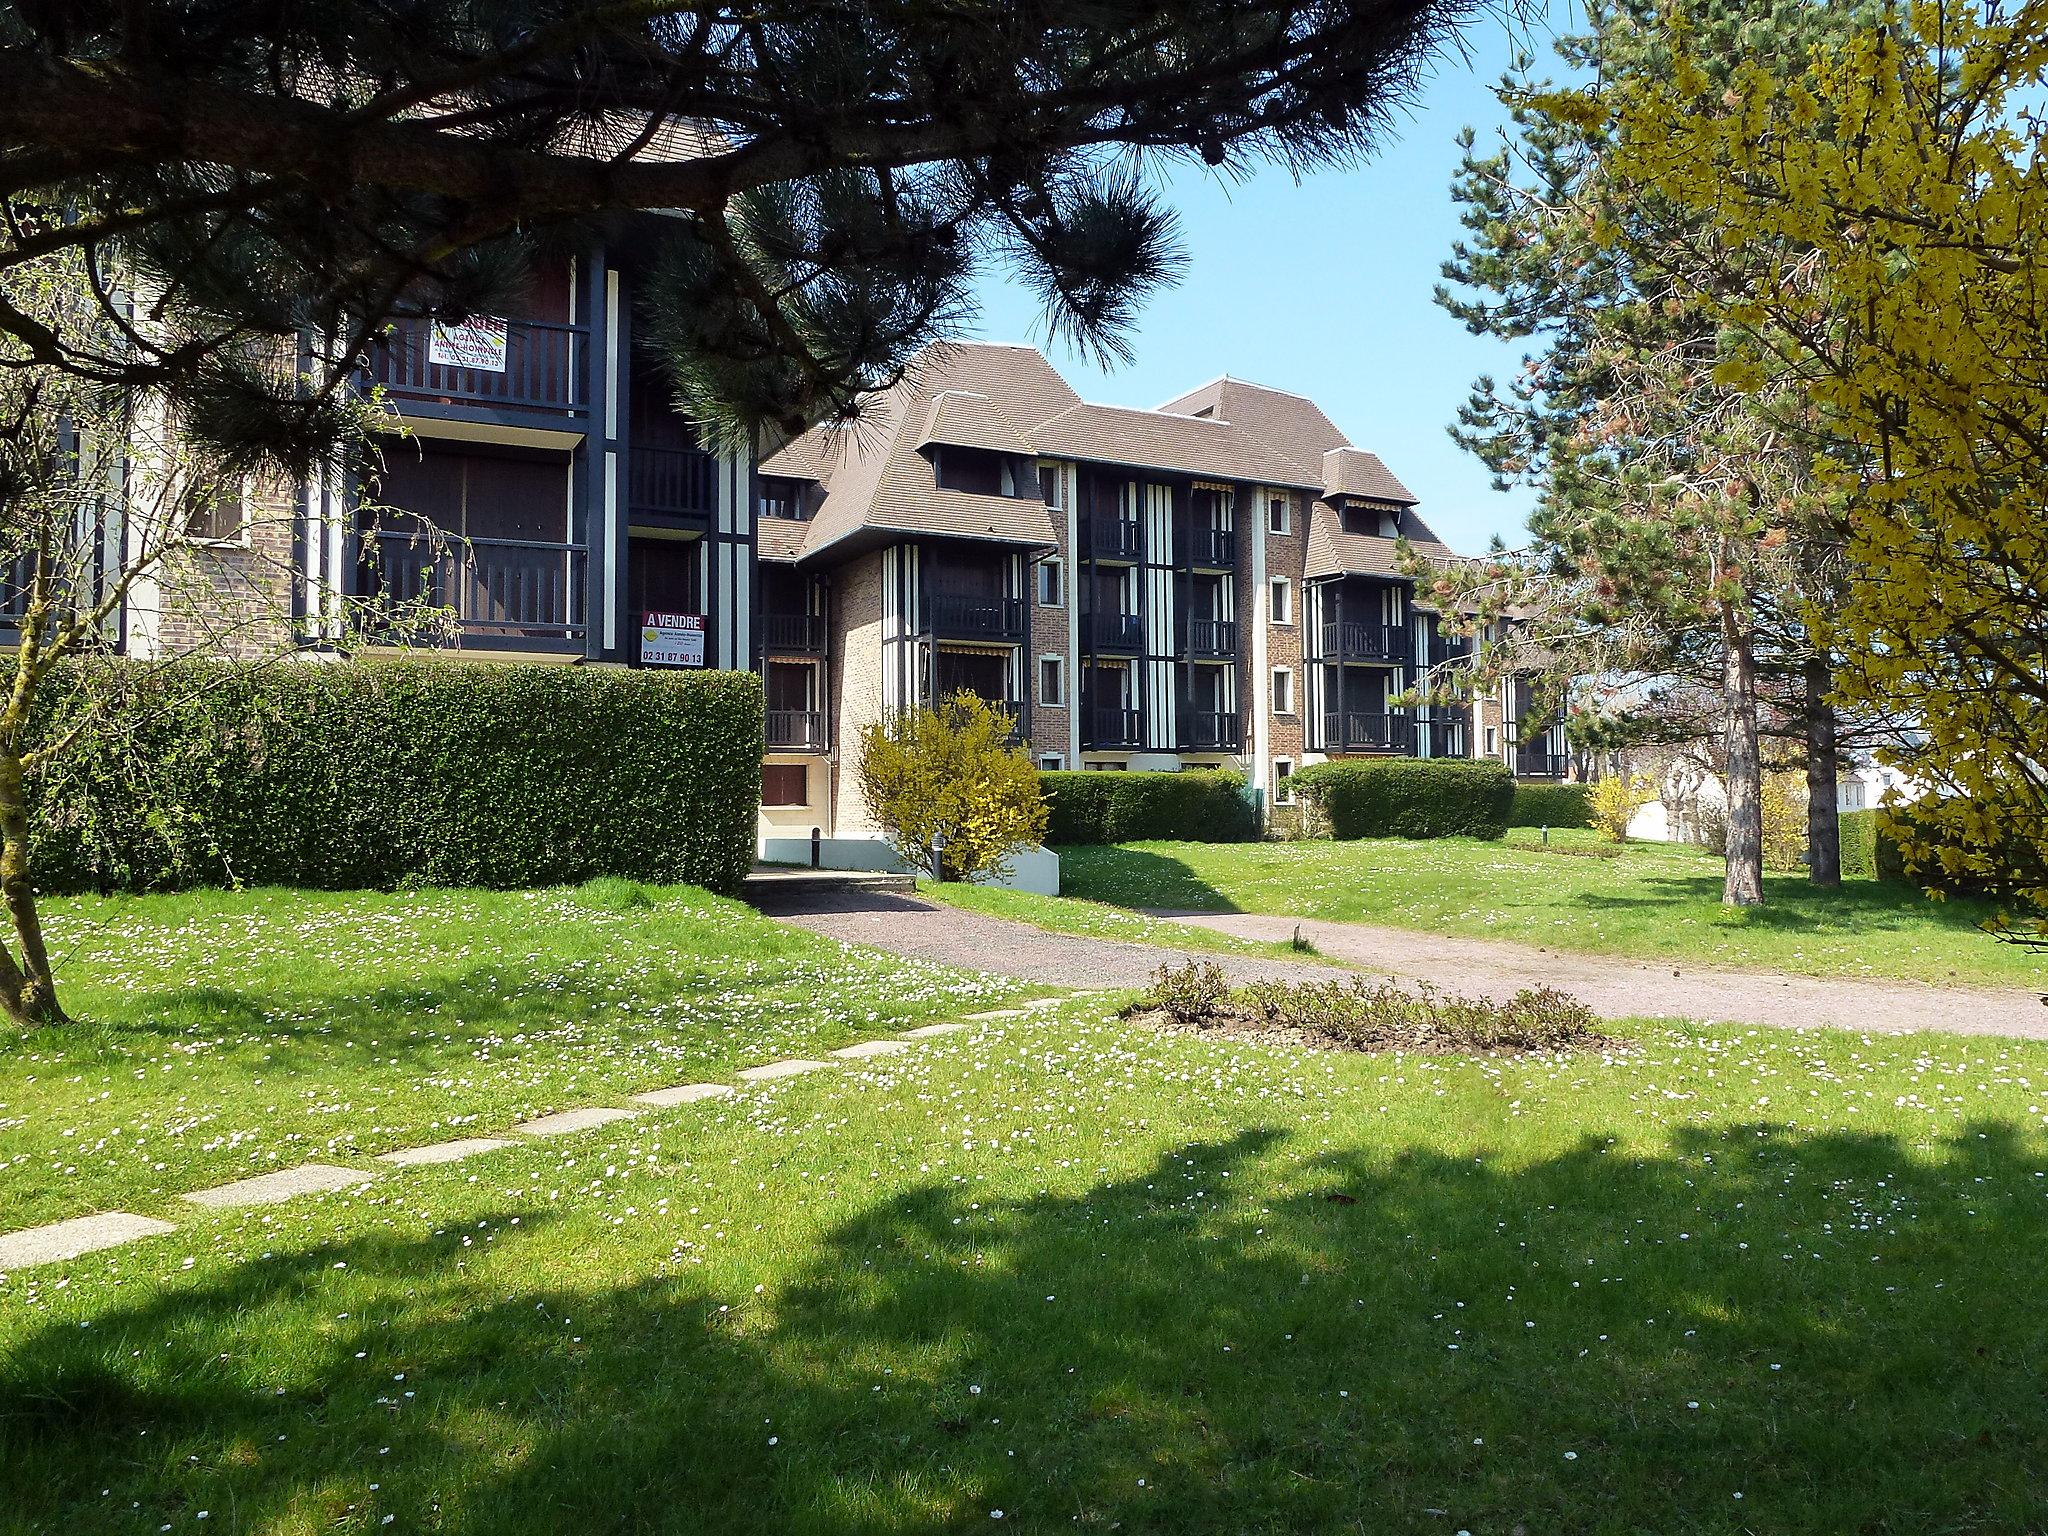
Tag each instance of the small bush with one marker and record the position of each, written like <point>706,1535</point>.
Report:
<point>1409,797</point>
<point>1859,845</point>
<point>1784,821</point>
<point>1614,801</point>
<point>1199,805</point>
<point>1191,994</point>
<point>373,775</point>
<point>947,772</point>
<point>1551,805</point>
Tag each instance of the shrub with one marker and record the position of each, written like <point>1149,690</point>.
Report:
<point>1859,845</point>
<point>948,772</point>
<point>1783,805</point>
<point>381,774</point>
<point>1202,805</point>
<point>1191,994</point>
<point>1614,801</point>
<point>1551,805</point>
<point>1409,797</point>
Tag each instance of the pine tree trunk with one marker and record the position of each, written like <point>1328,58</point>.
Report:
<point>1823,815</point>
<point>28,989</point>
<point>1743,883</point>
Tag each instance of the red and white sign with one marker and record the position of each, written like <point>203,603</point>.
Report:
<point>671,639</point>
<point>477,343</point>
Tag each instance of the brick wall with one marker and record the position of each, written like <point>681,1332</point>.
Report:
<point>231,598</point>
<point>854,682</point>
<point>1286,555</point>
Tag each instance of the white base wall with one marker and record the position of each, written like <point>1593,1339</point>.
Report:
<point>1031,869</point>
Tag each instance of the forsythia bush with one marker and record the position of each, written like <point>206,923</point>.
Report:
<point>948,772</point>
<point>1614,801</point>
<point>1784,816</point>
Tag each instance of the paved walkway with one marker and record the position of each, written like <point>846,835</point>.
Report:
<point>1612,987</point>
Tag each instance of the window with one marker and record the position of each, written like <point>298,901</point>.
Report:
<point>1052,762</point>
<point>782,498</point>
<point>216,515</point>
<point>1052,681</point>
<point>1051,583</point>
<point>1283,690</point>
<point>1049,484</point>
<point>785,784</point>
<point>1283,600</point>
<point>1283,781</point>
<point>1493,741</point>
<point>1277,515</point>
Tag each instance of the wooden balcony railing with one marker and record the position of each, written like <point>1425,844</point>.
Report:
<point>1209,731</point>
<point>1114,727</point>
<point>1111,538</point>
<point>1113,632</point>
<point>513,588</point>
<point>799,634</point>
<point>670,482</point>
<point>543,367</point>
<point>955,617</point>
<point>1540,762</point>
<point>1348,641</point>
<point>1441,737</point>
<point>1355,731</point>
<point>796,730</point>
<point>1212,548</point>
<point>1209,637</point>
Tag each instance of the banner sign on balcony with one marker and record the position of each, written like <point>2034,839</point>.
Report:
<point>671,639</point>
<point>474,343</point>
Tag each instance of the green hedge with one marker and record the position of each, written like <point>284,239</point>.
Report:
<point>1410,797</point>
<point>381,774</point>
<point>1552,805</point>
<point>1203,805</point>
<point>1860,845</point>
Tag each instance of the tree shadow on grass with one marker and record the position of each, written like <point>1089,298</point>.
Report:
<point>1138,879</point>
<point>1248,1335</point>
<point>1792,904</point>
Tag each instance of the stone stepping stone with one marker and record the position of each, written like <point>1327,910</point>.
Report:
<point>871,1048</point>
<point>933,1031</point>
<point>995,1013</point>
<point>81,1234</point>
<point>569,1121</point>
<point>774,1069</point>
<point>443,1151</point>
<point>270,1188</point>
<point>687,1093</point>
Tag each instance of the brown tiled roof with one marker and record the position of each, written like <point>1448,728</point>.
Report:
<point>1291,424</point>
<point>1354,472</point>
<point>966,420</point>
<point>1333,552</point>
<point>1189,445</point>
<point>779,538</point>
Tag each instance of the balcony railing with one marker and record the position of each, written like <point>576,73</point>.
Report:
<point>958,617</point>
<point>1113,631</point>
<point>1353,731</point>
<point>1541,763</point>
<point>796,730</point>
<point>543,367</point>
<point>1111,538</point>
<point>1441,738</point>
<point>1348,641</point>
<point>1113,727</point>
<point>1209,731</point>
<point>1209,637</point>
<point>801,634</point>
<point>669,482</point>
<point>512,588</point>
<point>1213,548</point>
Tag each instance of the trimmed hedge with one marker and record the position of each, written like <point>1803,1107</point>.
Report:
<point>1410,797</point>
<point>1201,805</point>
<point>1860,845</point>
<point>384,774</point>
<point>1552,805</point>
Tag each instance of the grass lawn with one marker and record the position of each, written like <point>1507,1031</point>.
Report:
<point>227,1033</point>
<point>1655,900</point>
<point>1090,1277</point>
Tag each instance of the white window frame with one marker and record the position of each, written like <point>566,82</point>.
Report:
<point>1280,599</point>
<point>1493,741</point>
<point>1284,522</point>
<point>1060,665</point>
<point>1283,682</point>
<point>1058,567</point>
<point>1052,762</point>
<point>1283,781</point>
<point>238,540</point>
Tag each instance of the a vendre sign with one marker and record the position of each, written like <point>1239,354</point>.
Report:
<point>473,343</point>
<point>671,639</point>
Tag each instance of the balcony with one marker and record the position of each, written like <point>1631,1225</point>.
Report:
<point>953,616</point>
<point>543,368</point>
<point>1114,727</point>
<point>1353,731</point>
<point>1540,762</point>
<point>1213,639</point>
<point>1443,737</point>
<point>1111,538</point>
<point>1347,641</point>
<point>796,730</point>
<point>1209,731</point>
<point>1212,549</point>
<point>671,482</point>
<point>1112,632</point>
<point>501,588</point>
<point>793,634</point>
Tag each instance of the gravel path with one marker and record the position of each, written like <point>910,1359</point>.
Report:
<point>1612,987</point>
<point>1619,988</point>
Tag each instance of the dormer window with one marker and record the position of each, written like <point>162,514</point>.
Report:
<point>1390,523</point>
<point>783,498</point>
<point>974,470</point>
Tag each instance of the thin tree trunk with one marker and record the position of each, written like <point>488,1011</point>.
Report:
<point>1823,765</point>
<point>1743,883</point>
<point>28,989</point>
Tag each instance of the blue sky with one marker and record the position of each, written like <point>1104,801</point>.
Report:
<point>1323,287</point>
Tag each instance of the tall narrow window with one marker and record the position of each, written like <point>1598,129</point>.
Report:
<point>1052,681</point>
<point>1051,583</point>
<point>1283,781</point>
<point>1283,600</point>
<point>1276,515</point>
<point>1283,691</point>
<point>1049,484</point>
